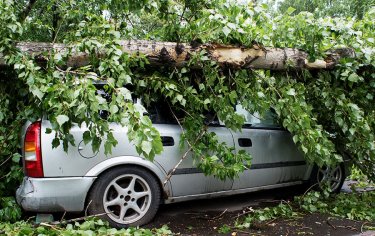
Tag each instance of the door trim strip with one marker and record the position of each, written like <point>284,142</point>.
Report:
<point>194,170</point>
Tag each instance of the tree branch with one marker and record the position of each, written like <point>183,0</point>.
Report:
<point>178,55</point>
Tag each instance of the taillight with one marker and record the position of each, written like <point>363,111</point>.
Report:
<point>33,151</point>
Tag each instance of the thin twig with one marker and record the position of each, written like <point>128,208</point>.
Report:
<point>269,222</point>
<point>245,232</point>
<point>5,161</point>
<point>221,215</point>
<point>78,219</point>
<point>329,223</point>
<point>312,186</point>
<point>130,21</point>
<point>169,176</point>
<point>214,218</point>
<point>70,71</point>
<point>49,225</point>
<point>244,213</point>
<point>62,218</point>
<point>363,226</point>
<point>88,205</point>
<point>57,33</point>
<point>348,227</point>
<point>242,231</point>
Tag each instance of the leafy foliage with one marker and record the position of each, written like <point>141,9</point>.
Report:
<point>360,180</point>
<point>347,8</point>
<point>354,206</point>
<point>330,112</point>
<point>262,215</point>
<point>89,227</point>
<point>9,210</point>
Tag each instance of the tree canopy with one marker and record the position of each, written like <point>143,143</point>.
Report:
<point>330,112</point>
<point>334,8</point>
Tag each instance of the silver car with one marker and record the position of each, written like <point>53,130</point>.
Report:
<point>126,189</point>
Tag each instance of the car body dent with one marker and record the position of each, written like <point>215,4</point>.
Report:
<point>64,194</point>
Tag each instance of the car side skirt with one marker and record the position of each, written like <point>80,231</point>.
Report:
<point>229,192</point>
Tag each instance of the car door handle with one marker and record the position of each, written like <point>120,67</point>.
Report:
<point>167,141</point>
<point>245,142</point>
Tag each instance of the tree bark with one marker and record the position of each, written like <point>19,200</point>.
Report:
<point>178,54</point>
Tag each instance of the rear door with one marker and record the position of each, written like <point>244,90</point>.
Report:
<point>275,157</point>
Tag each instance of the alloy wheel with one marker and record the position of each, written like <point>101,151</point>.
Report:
<point>330,176</point>
<point>127,198</point>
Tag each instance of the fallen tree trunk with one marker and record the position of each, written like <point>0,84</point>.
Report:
<point>178,54</point>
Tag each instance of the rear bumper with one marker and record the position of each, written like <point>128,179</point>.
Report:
<point>54,194</point>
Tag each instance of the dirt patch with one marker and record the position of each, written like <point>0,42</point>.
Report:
<point>195,223</point>
<point>206,217</point>
<point>209,223</point>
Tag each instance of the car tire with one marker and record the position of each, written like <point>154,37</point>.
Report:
<point>129,195</point>
<point>334,177</point>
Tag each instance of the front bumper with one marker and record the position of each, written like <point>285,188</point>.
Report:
<point>54,194</point>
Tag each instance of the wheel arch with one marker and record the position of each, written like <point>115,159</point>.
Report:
<point>117,162</point>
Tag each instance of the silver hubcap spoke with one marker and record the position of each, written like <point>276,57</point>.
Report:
<point>138,195</point>
<point>127,198</point>
<point>112,202</point>
<point>117,187</point>
<point>131,185</point>
<point>135,207</point>
<point>330,176</point>
<point>123,212</point>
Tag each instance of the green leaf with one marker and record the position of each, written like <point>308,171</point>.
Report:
<point>86,137</point>
<point>354,77</point>
<point>146,147</point>
<point>179,97</point>
<point>231,26</point>
<point>61,119</point>
<point>291,92</point>
<point>55,142</point>
<point>113,109</point>
<point>226,30</point>
<point>126,93</point>
<point>290,10</point>
<point>39,94</point>
<point>183,70</point>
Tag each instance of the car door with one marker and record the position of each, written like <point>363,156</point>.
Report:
<point>186,179</point>
<point>275,157</point>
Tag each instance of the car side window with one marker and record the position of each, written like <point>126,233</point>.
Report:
<point>269,120</point>
<point>160,113</point>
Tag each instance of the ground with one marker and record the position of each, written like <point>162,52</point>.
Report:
<point>206,217</point>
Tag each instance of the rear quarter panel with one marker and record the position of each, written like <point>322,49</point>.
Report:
<point>58,163</point>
